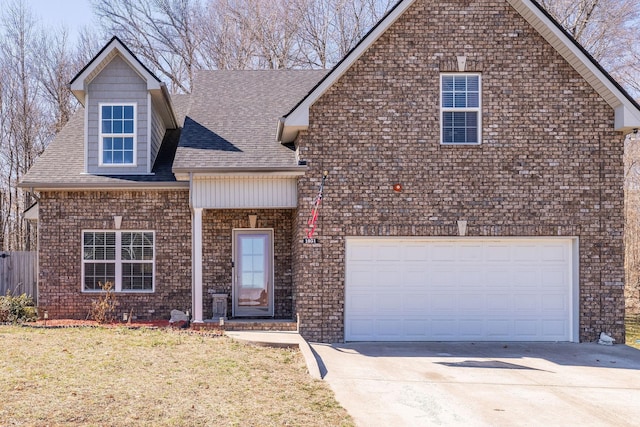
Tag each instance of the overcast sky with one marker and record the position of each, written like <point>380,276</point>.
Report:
<point>74,14</point>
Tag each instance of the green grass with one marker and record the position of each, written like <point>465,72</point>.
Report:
<point>632,324</point>
<point>123,377</point>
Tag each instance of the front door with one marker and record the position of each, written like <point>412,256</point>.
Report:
<point>253,273</point>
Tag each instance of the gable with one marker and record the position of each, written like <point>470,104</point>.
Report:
<point>627,111</point>
<point>113,48</point>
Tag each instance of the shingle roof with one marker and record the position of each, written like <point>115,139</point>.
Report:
<point>62,163</point>
<point>233,119</point>
<point>229,122</point>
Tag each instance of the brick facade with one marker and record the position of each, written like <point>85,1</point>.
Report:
<point>63,216</point>
<point>549,163</point>
<point>218,226</point>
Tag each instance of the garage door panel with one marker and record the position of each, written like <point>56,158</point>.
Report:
<point>557,253</point>
<point>416,303</point>
<point>481,289</point>
<point>553,277</point>
<point>495,277</point>
<point>498,303</point>
<point>554,328</point>
<point>388,253</point>
<point>498,329</point>
<point>470,253</point>
<point>443,304</point>
<point>445,253</point>
<point>526,329</point>
<point>415,252</point>
<point>360,303</point>
<point>471,303</point>
<point>414,277</point>
<point>557,303</point>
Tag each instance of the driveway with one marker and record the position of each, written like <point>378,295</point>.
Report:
<point>484,384</point>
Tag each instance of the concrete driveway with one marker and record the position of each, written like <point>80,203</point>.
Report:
<point>484,384</point>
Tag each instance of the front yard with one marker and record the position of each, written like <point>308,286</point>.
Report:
<point>124,377</point>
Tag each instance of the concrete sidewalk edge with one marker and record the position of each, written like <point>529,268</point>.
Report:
<point>280,340</point>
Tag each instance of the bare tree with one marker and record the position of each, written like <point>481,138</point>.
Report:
<point>20,132</point>
<point>607,30</point>
<point>331,28</point>
<point>162,32</point>
<point>56,67</point>
<point>227,37</point>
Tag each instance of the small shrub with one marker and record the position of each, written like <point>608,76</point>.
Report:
<point>102,311</point>
<point>17,308</point>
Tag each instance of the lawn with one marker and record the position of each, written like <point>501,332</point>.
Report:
<point>632,324</point>
<point>125,377</point>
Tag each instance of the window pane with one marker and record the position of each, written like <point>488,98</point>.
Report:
<point>128,126</point>
<point>106,112</point>
<point>137,276</point>
<point>107,157</point>
<point>472,135</point>
<point>447,83</point>
<point>473,83</point>
<point>117,126</point>
<point>106,126</point>
<point>97,274</point>
<point>107,143</point>
<point>473,99</point>
<point>471,119</point>
<point>118,157</point>
<point>447,99</point>
<point>460,83</point>
<point>128,112</point>
<point>117,112</point>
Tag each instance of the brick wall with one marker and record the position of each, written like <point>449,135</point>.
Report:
<point>218,226</point>
<point>549,164</point>
<point>63,216</point>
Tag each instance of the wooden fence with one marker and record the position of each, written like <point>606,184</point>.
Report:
<point>18,273</point>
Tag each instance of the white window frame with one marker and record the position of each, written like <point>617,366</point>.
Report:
<point>118,262</point>
<point>133,135</point>
<point>477,110</point>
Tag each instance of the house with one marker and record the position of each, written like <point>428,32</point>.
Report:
<point>473,158</point>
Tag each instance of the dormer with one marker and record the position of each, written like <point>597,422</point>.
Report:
<point>127,112</point>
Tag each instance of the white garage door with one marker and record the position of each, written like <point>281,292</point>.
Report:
<point>463,289</point>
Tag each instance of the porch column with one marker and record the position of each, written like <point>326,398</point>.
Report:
<point>197,265</point>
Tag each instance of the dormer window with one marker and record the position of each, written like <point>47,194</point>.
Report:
<point>117,134</point>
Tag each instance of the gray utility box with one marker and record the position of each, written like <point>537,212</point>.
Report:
<point>219,302</point>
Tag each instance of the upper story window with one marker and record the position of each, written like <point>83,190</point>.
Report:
<point>460,101</point>
<point>118,134</point>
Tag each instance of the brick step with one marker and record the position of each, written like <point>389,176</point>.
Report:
<point>284,325</point>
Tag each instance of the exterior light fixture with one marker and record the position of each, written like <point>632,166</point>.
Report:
<point>397,187</point>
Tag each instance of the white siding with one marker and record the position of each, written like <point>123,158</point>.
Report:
<point>244,192</point>
<point>117,82</point>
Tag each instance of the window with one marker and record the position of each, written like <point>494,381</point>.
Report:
<point>117,134</point>
<point>125,258</point>
<point>460,108</point>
